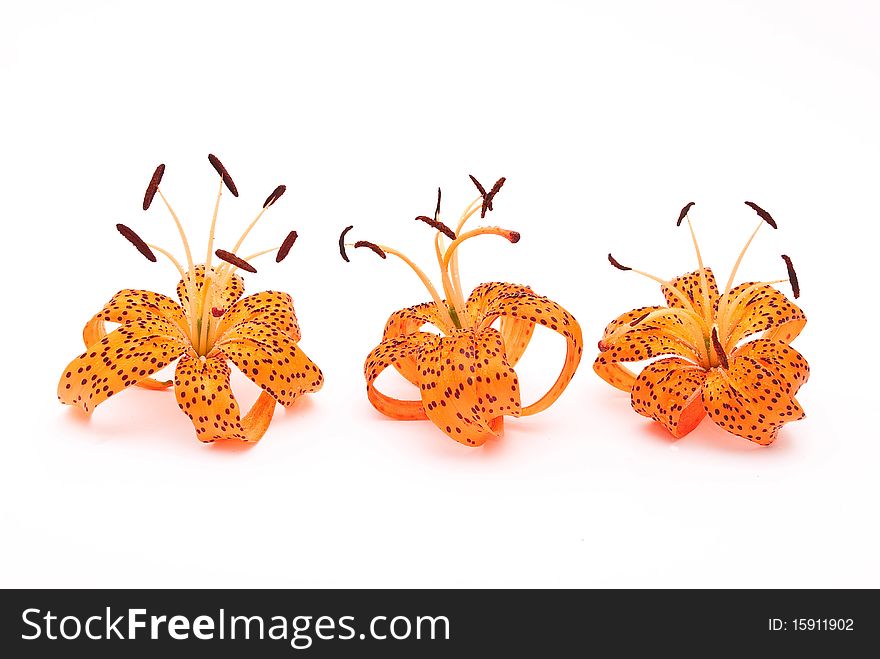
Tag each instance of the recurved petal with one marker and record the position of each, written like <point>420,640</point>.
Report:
<point>691,286</point>
<point>622,342</point>
<point>271,359</point>
<point>405,322</point>
<point>131,305</point>
<point>484,298</point>
<point>754,307</point>
<point>95,330</point>
<point>516,332</point>
<point>467,384</point>
<point>397,351</point>
<point>669,391</point>
<point>234,289</point>
<point>120,359</point>
<point>271,308</point>
<point>203,393</point>
<point>787,364</point>
<point>491,301</point>
<point>750,400</point>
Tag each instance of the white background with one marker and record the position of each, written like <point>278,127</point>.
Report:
<point>605,118</point>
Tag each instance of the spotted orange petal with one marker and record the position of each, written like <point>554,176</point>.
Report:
<point>234,289</point>
<point>621,342</point>
<point>268,307</point>
<point>124,357</point>
<point>516,332</point>
<point>129,305</point>
<point>95,330</point>
<point>404,322</point>
<point>786,363</point>
<point>203,393</point>
<point>761,308</point>
<point>467,384</point>
<point>396,351</point>
<point>752,398</point>
<point>489,302</point>
<point>271,359</point>
<point>691,285</point>
<point>669,391</point>
<point>132,305</point>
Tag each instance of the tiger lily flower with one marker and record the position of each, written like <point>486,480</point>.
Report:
<point>211,325</point>
<point>465,374</point>
<point>707,366</point>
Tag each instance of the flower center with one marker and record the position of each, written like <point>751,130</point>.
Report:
<point>206,300</point>
<point>709,330</point>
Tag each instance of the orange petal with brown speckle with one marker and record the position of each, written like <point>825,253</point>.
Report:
<point>668,391</point>
<point>467,384</point>
<point>750,399</point>
<point>203,393</point>
<point>271,359</point>
<point>494,300</point>
<point>766,310</point>
<point>691,285</point>
<point>395,351</point>
<point>405,322</point>
<point>120,359</point>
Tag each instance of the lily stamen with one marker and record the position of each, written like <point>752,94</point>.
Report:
<point>384,249</point>
<point>688,304</point>
<point>704,280</point>
<point>765,217</point>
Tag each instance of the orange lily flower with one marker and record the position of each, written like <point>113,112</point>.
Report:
<point>465,375</point>
<point>211,325</point>
<point>705,367</point>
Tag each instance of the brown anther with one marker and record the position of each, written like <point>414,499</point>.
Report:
<point>683,214</point>
<point>276,193</point>
<point>137,241</point>
<point>232,259</point>
<point>487,196</point>
<point>639,319</point>
<point>342,243</point>
<point>217,312</point>
<point>613,261</point>
<point>494,190</point>
<point>719,349</point>
<point>437,210</point>
<point>153,186</point>
<point>764,215</point>
<point>284,250</point>
<point>437,224</point>
<point>373,246</point>
<point>513,236</point>
<point>227,179</point>
<point>792,277</point>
